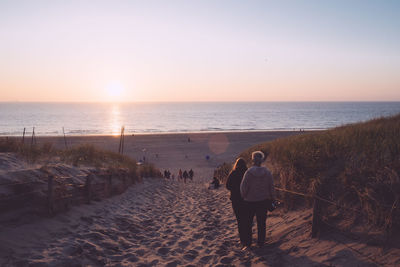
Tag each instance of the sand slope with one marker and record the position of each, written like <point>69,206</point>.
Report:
<point>165,223</point>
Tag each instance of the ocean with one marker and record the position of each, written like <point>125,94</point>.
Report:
<point>107,118</point>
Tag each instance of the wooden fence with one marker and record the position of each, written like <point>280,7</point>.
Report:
<point>58,193</point>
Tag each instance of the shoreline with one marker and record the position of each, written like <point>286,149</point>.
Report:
<point>29,134</point>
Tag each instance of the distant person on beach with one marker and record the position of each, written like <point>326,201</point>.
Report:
<point>191,174</point>
<point>233,182</point>
<point>167,174</point>
<point>185,176</point>
<point>257,190</point>
<point>215,183</point>
<point>180,175</point>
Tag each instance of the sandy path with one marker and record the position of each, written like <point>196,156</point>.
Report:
<point>164,223</point>
<point>154,223</point>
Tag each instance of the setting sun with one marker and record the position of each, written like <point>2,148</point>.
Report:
<point>114,91</point>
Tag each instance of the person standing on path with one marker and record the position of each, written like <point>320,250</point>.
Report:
<point>180,175</point>
<point>235,177</point>
<point>257,190</point>
<point>215,183</point>
<point>185,176</point>
<point>191,174</point>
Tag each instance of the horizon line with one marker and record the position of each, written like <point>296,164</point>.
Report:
<point>202,101</point>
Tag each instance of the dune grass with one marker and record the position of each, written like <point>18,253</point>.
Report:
<point>81,155</point>
<point>355,165</point>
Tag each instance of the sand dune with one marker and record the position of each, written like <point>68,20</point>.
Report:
<point>169,223</point>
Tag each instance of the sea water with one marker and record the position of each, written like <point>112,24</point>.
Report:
<point>108,118</point>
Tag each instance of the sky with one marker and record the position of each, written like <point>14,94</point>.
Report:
<point>100,51</point>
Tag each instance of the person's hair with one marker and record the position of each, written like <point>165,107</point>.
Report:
<point>240,165</point>
<point>258,157</point>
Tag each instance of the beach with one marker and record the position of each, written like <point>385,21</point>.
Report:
<point>202,152</point>
<point>161,222</point>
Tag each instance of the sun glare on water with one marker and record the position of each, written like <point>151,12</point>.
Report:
<point>115,120</point>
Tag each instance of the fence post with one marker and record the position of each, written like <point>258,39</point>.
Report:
<point>108,183</point>
<point>33,136</point>
<point>65,139</point>
<point>316,220</point>
<point>123,140</point>
<point>50,195</point>
<point>23,137</point>
<point>89,187</point>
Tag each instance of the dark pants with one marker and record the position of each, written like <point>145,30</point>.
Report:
<point>241,213</point>
<point>259,209</point>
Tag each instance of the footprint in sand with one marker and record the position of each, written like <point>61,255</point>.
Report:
<point>221,252</point>
<point>191,255</point>
<point>205,259</point>
<point>183,244</point>
<point>226,260</point>
<point>171,242</point>
<point>140,252</point>
<point>94,236</point>
<point>156,244</point>
<point>209,237</point>
<point>173,263</point>
<point>131,257</point>
<point>163,251</point>
<point>196,236</point>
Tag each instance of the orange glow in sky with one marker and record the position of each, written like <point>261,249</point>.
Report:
<point>127,51</point>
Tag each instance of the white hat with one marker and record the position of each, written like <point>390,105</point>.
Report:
<point>257,156</point>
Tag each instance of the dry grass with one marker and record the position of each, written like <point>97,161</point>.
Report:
<point>354,165</point>
<point>223,171</point>
<point>81,155</point>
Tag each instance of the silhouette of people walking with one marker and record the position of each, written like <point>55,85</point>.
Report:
<point>185,176</point>
<point>257,189</point>
<point>191,174</point>
<point>235,177</point>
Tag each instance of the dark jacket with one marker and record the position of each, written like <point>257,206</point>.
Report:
<point>233,184</point>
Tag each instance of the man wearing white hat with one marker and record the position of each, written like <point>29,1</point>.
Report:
<point>257,189</point>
